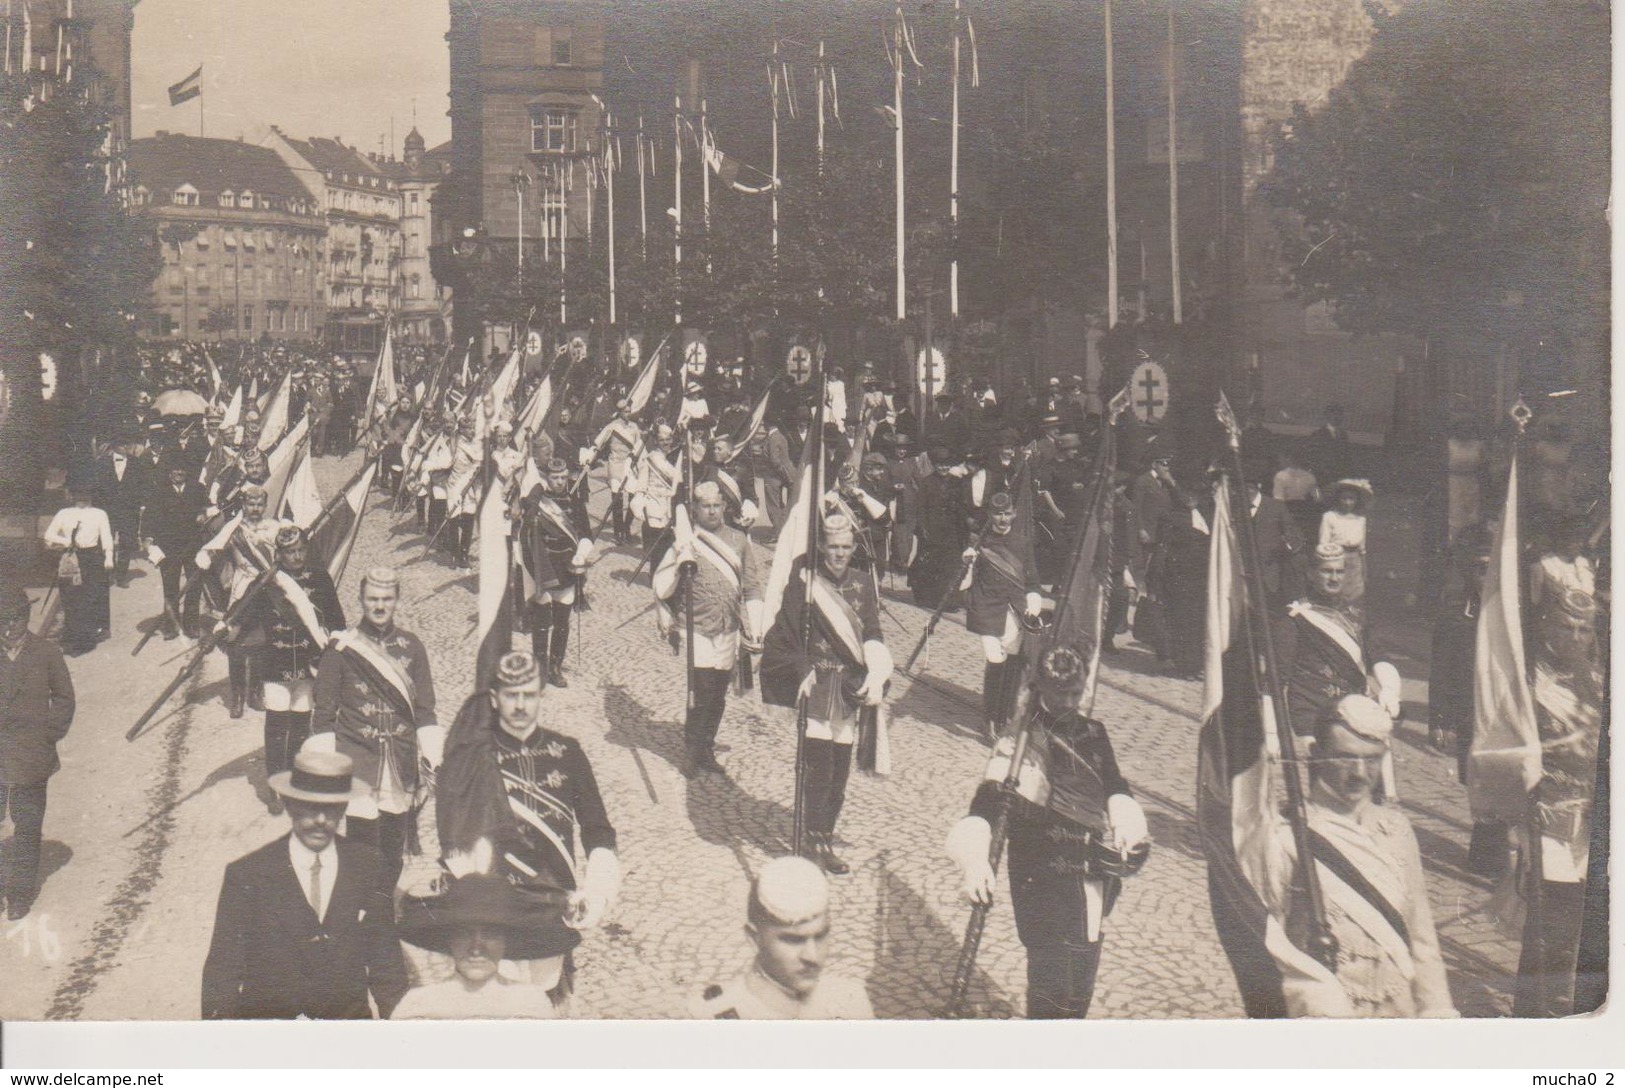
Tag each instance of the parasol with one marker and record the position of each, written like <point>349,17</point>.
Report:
<point>179,402</point>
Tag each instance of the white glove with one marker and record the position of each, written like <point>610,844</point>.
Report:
<point>1388,688</point>
<point>1126,819</point>
<point>878,658</point>
<point>968,555</point>
<point>748,512</point>
<point>599,886</point>
<point>583,553</point>
<point>584,457</point>
<point>968,845</point>
<point>204,560</point>
<point>432,744</point>
<point>1035,604</point>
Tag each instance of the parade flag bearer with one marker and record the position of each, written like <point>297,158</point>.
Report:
<point>555,550</point>
<point>1002,585</point>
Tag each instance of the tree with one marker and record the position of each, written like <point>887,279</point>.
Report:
<point>1458,178</point>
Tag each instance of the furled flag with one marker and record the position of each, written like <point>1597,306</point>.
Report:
<point>274,419</point>
<point>1505,763</point>
<point>187,89</point>
<point>303,499</point>
<point>506,381</point>
<point>334,538</point>
<point>234,411</point>
<point>1082,596</point>
<point>535,411</point>
<point>727,170</point>
<point>214,378</point>
<point>1235,820</point>
<point>494,635</point>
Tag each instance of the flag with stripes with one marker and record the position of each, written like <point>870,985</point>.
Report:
<point>274,419</point>
<point>234,410</point>
<point>187,89</point>
<point>281,462</point>
<point>303,499</point>
<point>494,634</point>
<point>334,538</point>
<point>1234,810</point>
<point>793,535</point>
<point>385,387</point>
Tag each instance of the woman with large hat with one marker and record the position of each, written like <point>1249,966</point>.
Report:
<point>1344,525</point>
<point>479,922</point>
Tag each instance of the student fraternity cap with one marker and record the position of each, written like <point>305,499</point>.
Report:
<point>381,578</point>
<point>517,669</point>
<point>289,535</point>
<point>1328,553</point>
<point>1001,503</point>
<point>557,466</point>
<point>1578,604</point>
<point>836,524</point>
<point>791,890</point>
<point>1360,715</point>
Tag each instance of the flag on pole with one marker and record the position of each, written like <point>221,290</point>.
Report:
<point>335,539</point>
<point>303,499</point>
<point>1505,763</point>
<point>214,377</point>
<point>494,635</point>
<point>535,412</point>
<point>754,423</point>
<point>385,389</point>
<point>254,395</point>
<point>506,380</point>
<point>1234,814</point>
<point>234,410</point>
<point>804,506</point>
<point>643,388</point>
<point>187,89</point>
<point>281,462</point>
<point>274,420</point>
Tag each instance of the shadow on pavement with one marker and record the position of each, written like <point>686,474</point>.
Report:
<point>250,766</point>
<point>942,703</point>
<point>915,958</point>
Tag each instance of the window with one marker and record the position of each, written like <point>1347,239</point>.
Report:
<point>230,237</point>
<point>142,194</point>
<point>561,46</point>
<point>412,202</point>
<point>270,241</point>
<point>553,129</point>
<point>246,200</point>
<point>248,319</point>
<point>185,196</point>
<point>417,286</point>
<point>248,239</point>
<point>227,199</point>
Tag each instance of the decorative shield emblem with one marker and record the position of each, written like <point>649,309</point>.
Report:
<point>695,358</point>
<point>578,349</point>
<point>933,377</point>
<point>533,343</point>
<point>631,353</point>
<point>1148,389</point>
<point>798,364</point>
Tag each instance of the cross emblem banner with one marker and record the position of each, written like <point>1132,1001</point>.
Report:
<point>1149,389</point>
<point>799,364</point>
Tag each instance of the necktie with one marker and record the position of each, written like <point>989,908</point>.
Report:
<point>316,886</point>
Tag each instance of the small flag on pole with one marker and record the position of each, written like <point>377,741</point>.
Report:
<point>187,89</point>
<point>335,539</point>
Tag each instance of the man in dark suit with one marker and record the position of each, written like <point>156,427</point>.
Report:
<point>1281,555</point>
<point>122,483</point>
<point>174,512</point>
<point>303,928</point>
<point>36,708</point>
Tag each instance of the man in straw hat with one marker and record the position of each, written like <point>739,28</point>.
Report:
<point>521,800</point>
<point>787,921</point>
<point>478,922</point>
<point>1075,832</point>
<point>1375,894</point>
<point>374,702</point>
<point>302,928</point>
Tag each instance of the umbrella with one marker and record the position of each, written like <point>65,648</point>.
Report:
<point>180,402</point>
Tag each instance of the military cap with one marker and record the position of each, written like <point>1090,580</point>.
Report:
<point>517,669</point>
<point>790,891</point>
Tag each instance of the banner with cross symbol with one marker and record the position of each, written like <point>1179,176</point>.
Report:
<point>1148,389</point>
<point>798,364</point>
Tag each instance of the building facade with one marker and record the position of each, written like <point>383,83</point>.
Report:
<point>242,240</point>
<point>526,85</point>
<point>362,204</point>
<point>424,314</point>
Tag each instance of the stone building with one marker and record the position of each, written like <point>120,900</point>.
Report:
<point>361,199</point>
<point>424,313</point>
<point>242,240</point>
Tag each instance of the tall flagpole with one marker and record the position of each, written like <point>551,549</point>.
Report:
<point>1173,172</point>
<point>823,74</point>
<point>609,183</point>
<point>705,184</point>
<point>773,83</point>
<point>643,193</point>
<point>897,102</point>
<point>1111,181</point>
<point>564,243</point>
<point>953,182</point>
<point>677,202</point>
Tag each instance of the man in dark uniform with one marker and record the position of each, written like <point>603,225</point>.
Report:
<point>731,474</point>
<point>1075,831</point>
<point>1063,493</point>
<point>516,798</point>
<point>555,550</point>
<point>903,474</point>
<point>727,573</point>
<point>1002,586</point>
<point>942,531</point>
<point>997,475</point>
<point>374,702</point>
<point>290,618</point>
<point>842,673</point>
<point>1324,651</point>
<point>122,486</point>
<point>173,519</point>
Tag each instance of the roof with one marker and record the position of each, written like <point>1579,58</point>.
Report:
<point>334,156</point>
<point>168,161</point>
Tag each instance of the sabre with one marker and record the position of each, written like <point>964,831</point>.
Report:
<point>936,617</point>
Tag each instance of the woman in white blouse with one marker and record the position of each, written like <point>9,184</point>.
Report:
<point>1344,525</point>
<point>83,539</point>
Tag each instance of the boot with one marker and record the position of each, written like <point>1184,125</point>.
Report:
<point>559,645</point>
<point>992,698</point>
<point>235,701</point>
<point>825,848</point>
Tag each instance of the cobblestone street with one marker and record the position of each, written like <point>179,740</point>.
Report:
<point>138,834</point>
